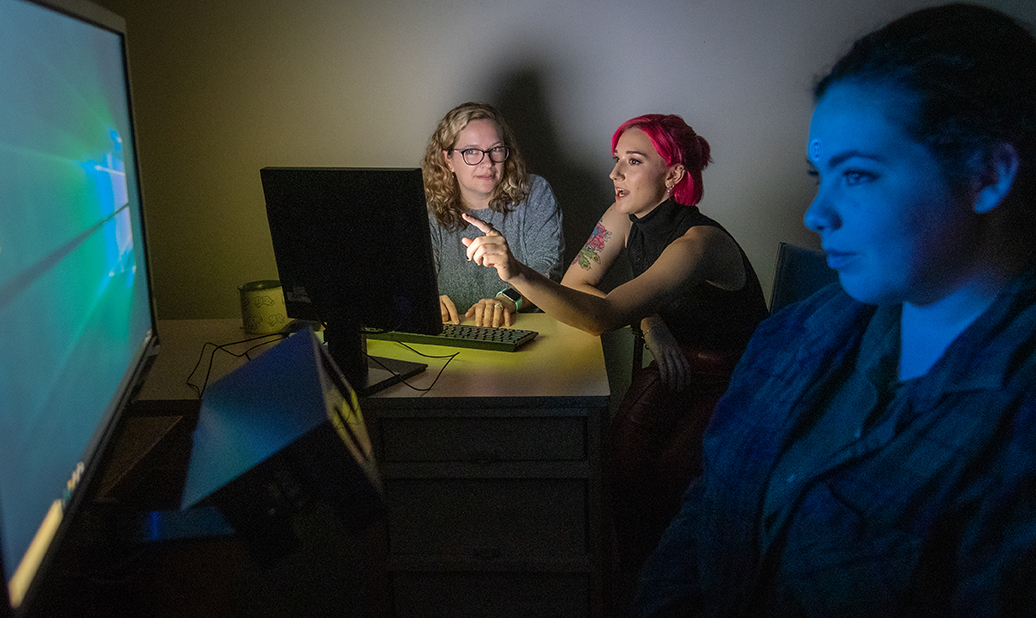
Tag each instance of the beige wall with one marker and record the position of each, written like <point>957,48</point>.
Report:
<point>225,88</point>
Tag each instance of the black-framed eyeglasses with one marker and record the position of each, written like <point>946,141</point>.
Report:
<point>474,156</point>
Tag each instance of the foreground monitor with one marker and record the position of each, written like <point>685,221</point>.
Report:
<point>74,288</point>
<point>275,437</point>
<point>353,249</point>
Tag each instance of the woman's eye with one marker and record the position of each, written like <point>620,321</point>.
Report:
<point>855,177</point>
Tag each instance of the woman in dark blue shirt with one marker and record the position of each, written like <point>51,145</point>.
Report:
<point>874,453</point>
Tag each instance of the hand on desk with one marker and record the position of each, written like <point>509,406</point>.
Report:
<point>492,312</point>
<point>486,312</point>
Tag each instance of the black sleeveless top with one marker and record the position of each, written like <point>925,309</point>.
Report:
<point>700,315</point>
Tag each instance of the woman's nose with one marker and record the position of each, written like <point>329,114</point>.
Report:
<point>615,175</point>
<point>821,216</point>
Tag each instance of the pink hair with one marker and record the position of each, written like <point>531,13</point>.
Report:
<point>677,143</point>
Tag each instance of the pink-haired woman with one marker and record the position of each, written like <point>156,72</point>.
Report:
<point>694,295</point>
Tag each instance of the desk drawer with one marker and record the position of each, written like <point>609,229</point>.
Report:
<point>543,438</point>
<point>489,519</point>
<point>490,595</point>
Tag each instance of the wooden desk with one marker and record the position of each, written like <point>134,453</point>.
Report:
<point>492,477</point>
<point>183,343</point>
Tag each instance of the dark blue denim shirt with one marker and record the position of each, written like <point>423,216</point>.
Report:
<point>936,517</point>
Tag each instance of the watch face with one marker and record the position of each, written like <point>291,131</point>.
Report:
<point>511,293</point>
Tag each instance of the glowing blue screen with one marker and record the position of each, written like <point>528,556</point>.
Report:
<point>74,299</point>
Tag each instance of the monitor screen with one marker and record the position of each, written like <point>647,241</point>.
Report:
<point>353,249</point>
<point>75,301</point>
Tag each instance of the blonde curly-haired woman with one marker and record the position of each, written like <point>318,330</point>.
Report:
<point>472,166</point>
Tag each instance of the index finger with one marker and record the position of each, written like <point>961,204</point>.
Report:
<point>479,223</point>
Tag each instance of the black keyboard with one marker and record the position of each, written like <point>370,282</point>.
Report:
<point>465,336</point>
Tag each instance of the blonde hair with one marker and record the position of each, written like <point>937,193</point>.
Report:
<point>441,189</point>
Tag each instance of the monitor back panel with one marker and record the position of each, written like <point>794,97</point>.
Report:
<point>353,239</point>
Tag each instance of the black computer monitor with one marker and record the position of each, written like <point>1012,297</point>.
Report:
<point>353,250</point>
<point>75,301</point>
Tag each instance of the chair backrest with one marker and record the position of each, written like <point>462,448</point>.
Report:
<point>799,273</point>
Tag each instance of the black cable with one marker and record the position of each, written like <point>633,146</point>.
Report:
<point>224,347</point>
<point>407,384</point>
<point>217,347</point>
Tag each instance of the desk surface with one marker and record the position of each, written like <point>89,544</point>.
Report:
<point>561,362</point>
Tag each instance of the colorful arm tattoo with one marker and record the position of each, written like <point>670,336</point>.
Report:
<point>591,252</point>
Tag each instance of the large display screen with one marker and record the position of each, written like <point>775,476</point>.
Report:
<point>75,308</point>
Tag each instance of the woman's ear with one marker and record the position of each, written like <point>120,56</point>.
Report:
<point>996,177</point>
<point>675,175</point>
<point>446,159</point>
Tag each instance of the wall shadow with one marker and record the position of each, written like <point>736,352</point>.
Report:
<point>520,96</point>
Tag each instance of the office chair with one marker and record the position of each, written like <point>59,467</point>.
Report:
<point>799,273</point>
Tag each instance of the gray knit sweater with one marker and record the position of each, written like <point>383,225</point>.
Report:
<point>533,231</point>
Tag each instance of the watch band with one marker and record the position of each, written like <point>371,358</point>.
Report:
<point>512,295</point>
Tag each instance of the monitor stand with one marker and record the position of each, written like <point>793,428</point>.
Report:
<point>367,375</point>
